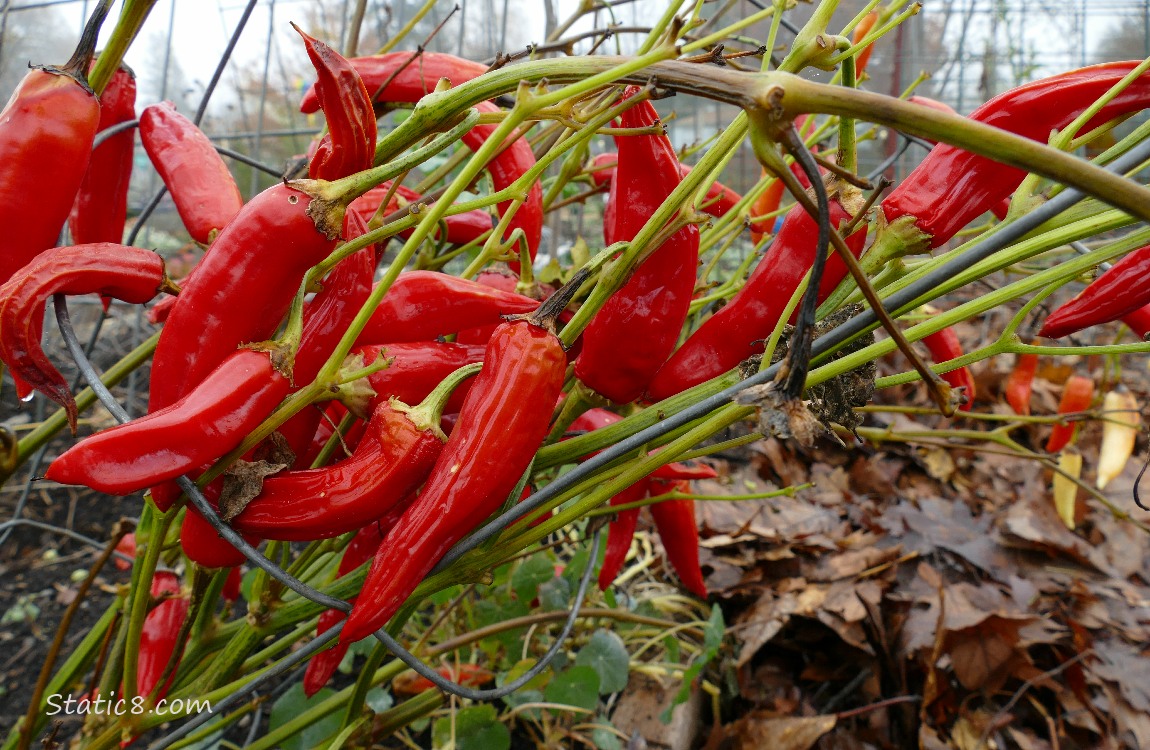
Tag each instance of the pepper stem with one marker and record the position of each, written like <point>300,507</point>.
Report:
<point>547,313</point>
<point>77,65</point>
<point>426,416</point>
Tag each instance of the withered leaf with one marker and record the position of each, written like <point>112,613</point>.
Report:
<point>242,484</point>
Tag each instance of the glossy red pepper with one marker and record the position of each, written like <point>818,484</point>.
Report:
<point>400,77</point>
<point>159,637</point>
<point>1020,382</point>
<point>675,522</point>
<point>46,134</point>
<point>421,305</point>
<point>504,419</point>
<point>1138,321</point>
<point>1077,396</point>
<point>951,187</point>
<point>944,345</point>
<point>460,228</point>
<point>394,80</point>
<point>392,460</point>
<point>349,145</point>
<point>204,191</point>
<point>241,289</point>
<point>636,329</point>
<point>416,368</point>
<point>162,445</point>
<point>231,589</point>
<point>1119,291</point>
<point>203,545</point>
<point>620,533</point>
<point>125,273</point>
<point>101,206</point>
<point>739,329</point>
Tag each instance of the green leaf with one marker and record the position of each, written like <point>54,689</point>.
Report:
<point>379,700</point>
<point>293,703</point>
<point>577,686</point>
<point>573,571</point>
<point>603,737</point>
<point>671,643</point>
<point>530,573</point>
<point>475,728</point>
<point>712,639</point>
<point>555,594</point>
<point>606,654</point>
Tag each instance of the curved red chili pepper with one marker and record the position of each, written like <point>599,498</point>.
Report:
<point>944,345</point>
<point>1020,382</point>
<point>203,545</point>
<point>620,532</point>
<point>416,368</point>
<point>158,638</point>
<point>1138,321</point>
<point>413,81</point>
<point>460,228</point>
<point>46,134</point>
<point>162,445</point>
<point>636,330</point>
<point>504,419</point>
<point>421,305</point>
<point>204,191</point>
<point>392,459</point>
<point>675,522</point>
<point>125,273</point>
<point>1120,290</point>
<point>349,146</point>
<point>241,290</point>
<point>951,187</point>
<point>408,83</point>
<point>101,206</point>
<point>1077,395</point>
<point>738,330</point>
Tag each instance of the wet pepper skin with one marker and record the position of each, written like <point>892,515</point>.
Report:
<point>504,419</point>
<point>636,330</point>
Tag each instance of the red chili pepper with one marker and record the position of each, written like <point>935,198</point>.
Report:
<point>503,421</point>
<point>951,187</point>
<point>391,461</point>
<point>231,590</point>
<point>203,545</point>
<point>126,546</point>
<point>349,145</point>
<point>636,330</point>
<point>1121,290</point>
<point>719,200</point>
<point>620,533</point>
<point>421,305</point>
<point>416,368</point>
<point>158,639</point>
<point>162,445</point>
<point>1077,395</point>
<point>410,83</point>
<point>738,330</point>
<point>202,188</point>
<point>125,273</point>
<point>413,82</point>
<point>1019,383</point>
<point>46,134</point>
<point>101,206</point>
<point>1138,321</point>
<point>944,345</point>
<point>675,521</point>
<point>864,27</point>
<point>460,228</point>
<point>241,290</point>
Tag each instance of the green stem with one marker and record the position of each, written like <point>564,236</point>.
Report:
<point>132,17</point>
